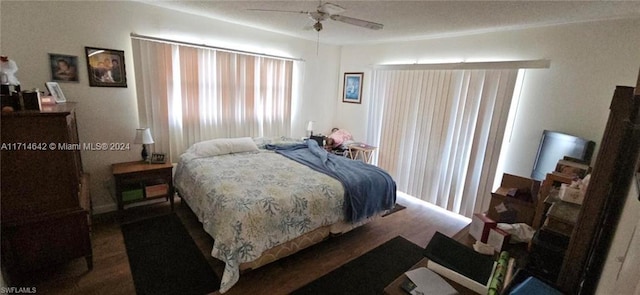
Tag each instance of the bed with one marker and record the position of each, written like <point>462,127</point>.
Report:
<point>261,200</point>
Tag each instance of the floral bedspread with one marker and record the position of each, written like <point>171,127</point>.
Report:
<point>251,202</point>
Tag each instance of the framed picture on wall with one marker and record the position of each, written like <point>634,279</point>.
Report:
<point>106,67</point>
<point>64,68</point>
<point>352,87</point>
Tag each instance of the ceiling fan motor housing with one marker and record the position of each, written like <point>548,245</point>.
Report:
<point>317,26</point>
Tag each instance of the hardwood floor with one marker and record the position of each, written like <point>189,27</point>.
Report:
<point>111,274</point>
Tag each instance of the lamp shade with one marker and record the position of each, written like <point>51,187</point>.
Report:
<point>143,136</point>
<point>310,126</point>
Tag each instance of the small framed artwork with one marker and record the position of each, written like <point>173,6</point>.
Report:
<point>64,68</point>
<point>56,92</point>
<point>106,67</point>
<point>352,87</point>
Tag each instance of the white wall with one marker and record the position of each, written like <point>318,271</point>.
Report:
<point>31,30</point>
<point>621,272</point>
<point>587,61</point>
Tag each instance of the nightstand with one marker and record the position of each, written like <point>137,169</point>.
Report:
<point>140,181</point>
<point>361,151</point>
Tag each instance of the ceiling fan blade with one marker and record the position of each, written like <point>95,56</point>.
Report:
<point>318,16</point>
<point>357,22</point>
<point>277,10</point>
<point>330,8</point>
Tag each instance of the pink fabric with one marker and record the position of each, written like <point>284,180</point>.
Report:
<point>340,136</point>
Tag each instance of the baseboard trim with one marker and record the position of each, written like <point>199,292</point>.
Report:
<point>106,208</point>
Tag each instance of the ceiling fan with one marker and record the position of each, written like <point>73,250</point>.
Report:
<point>330,11</point>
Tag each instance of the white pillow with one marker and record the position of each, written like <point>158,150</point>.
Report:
<point>223,146</point>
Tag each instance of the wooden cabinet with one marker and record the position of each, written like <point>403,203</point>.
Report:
<point>45,197</point>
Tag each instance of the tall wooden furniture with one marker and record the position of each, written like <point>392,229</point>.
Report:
<point>45,200</point>
<point>605,196</point>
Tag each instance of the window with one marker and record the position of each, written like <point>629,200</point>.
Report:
<point>188,94</point>
<point>440,131</point>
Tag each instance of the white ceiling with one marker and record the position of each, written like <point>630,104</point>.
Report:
<point>406,20</point>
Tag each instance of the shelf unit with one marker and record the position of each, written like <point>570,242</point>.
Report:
<point>139,181</point>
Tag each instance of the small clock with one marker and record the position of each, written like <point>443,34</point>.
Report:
<point>157,158</point>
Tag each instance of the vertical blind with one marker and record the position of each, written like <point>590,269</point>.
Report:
<point>440,131</point>
<point>188,94</point>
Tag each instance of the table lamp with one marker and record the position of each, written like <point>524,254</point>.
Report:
<point>310,128</point>
<point>143,136</point>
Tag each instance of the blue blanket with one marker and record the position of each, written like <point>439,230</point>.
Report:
<point>368,189</point>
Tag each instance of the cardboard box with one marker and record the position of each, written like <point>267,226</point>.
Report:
<point>498,239</point>
<point>480,226</point>
<point>515,200</point>
<point>562,217</point>
<point>157,190</point>
<point>552,180</point>
<point>569,194</point>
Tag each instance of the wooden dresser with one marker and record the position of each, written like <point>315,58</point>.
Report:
<point>45,198</point>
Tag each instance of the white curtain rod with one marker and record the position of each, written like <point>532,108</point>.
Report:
<point>521,64</point>
<point>142,37</point>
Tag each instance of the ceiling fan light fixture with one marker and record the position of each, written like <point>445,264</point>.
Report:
<point>317,26</point>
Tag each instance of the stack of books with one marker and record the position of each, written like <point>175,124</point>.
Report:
<point>132,194</point>
<point>156,190</point>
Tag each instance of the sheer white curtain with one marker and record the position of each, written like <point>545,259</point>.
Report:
<point>188,94</point>
<point>440,131</point>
